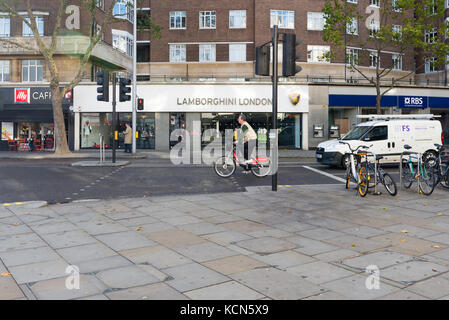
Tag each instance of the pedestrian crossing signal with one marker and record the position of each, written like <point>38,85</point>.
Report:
<point>140,104</point>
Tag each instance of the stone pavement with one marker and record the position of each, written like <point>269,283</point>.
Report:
<point>303,242</point>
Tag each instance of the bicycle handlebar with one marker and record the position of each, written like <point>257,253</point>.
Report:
<point>354,150</point>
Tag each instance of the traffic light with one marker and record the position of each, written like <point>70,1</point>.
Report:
<point>124,89</point>
<point>289,55</point>
<point>263,60</point>
<point>140,104</point>
<point>103,82</point>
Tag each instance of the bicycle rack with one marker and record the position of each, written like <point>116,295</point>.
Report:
<point>400,166</point>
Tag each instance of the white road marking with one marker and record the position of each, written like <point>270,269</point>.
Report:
<point>325,174</point>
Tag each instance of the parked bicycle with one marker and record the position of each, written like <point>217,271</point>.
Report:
<point>368,168</point>
<point>226,165</point>
<point>352,169</point>
<point>415,170</point>
<point>440,166</point>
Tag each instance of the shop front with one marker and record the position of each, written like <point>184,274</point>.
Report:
<point>169,107</point>
<point>27,112</point>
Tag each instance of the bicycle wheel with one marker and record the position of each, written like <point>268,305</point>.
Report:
<point>427,180</point>
<point>445,178</point>
<point>262,169</point>
<point>224,167</point>
<point>407,176</point>
<point>371,174</point>
<point>348,178</point>
<point>389,184</point>
<point>434,165</point>
<point>364,181</point>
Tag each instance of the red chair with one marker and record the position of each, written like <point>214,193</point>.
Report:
<point>23,145</point>
<point>12,145</point>
<point>48,143</point>
<point>37,145</point>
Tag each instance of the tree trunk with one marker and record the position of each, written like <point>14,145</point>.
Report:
<point>378,100</point>
<point>61,145</point>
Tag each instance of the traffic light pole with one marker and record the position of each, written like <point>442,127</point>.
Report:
<point>114,119</point>
<point>274,177</point>
<point>134,84</point>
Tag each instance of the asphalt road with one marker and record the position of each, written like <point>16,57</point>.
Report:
<point>57,181</point>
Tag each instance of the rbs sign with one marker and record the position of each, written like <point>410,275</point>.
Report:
<point>412,102</point>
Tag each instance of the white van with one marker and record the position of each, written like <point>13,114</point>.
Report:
<point>387,134</point>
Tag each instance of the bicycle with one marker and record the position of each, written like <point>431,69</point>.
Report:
<point>352,174</point>
<point>226,165</point>
<point>382,176</point>
<point>440,167</point>
<point>422,173</point>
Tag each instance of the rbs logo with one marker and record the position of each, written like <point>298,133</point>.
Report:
<point>413,101</point>
<point>22,95</point>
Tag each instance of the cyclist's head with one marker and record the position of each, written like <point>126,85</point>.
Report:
<point>242,118</point>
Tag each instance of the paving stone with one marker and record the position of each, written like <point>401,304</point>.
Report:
<point>175,238</point>
<point>409,272</point>
<point>309,246</point>
<point>358,244</point>
<point>223,218</point>
<point>135,222</point>
<point>275,233</point>
<point>39,271</point>
<point>158,256</point>
<point>192,276</point>
<point>205,251</point>
<point>381,259</point>
<point>100,264</point>
<point>101,226</point>
<point>433,288</point>
<point>202,228</point>
<point>266,245</point>
<point>411,230</point>
<point>402,295</point>
<point>56,289</point>
<point>224,291</point>
<point>354,287</point>
<point>157,291</point>
<point>85,252</point>
<point>68,239</point>
<point>20,241</point>
<point>53,227</point>
<point>125,240</point>
<point>94,297</point>
<point>206,213</point>
<point>294,226</point>
<point>153,227</point>
<point>10,229</point>
<point>126,277</point>
<point>407,245</point>
<point>441,254</point>
<point>234,264</point>
<point>319,272</point>
<point>244,226</point>
<point>27,256</point>
<point>124,215</point>
<point>9,290</point>
<point>226,237</point>
<point>178,221</point>
<point>441,238</point>
<point>336,255</point>
<point>320,234</point>
<point>363,231</point>
<point>277,284</point>
<point>284,259</point>
<point>328,295</point>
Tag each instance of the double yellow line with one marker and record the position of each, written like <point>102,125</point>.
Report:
<point>10,204</point>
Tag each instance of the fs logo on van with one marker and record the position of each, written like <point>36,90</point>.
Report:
<point>294,98</point>
<point>22,95</point>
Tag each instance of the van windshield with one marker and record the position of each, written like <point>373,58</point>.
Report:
<point>356,133</point>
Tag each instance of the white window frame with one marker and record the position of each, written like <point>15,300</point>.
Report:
<point>174,50</point>
<point>373,62</point>
<point>122,41</point>
<point>241,56</point>
<point>5,70</point>
<point>284,19</point>
<point>430,36</point>
<point>100,4</point>
<point>205,49</point>
<point>178,15</point>
<point>353,27</point>
<point>27,32</point>
<point>5,27</point>
<point>374,27</point>
<point>315,21</point>
<point>314,52</point>
<point>351,1</point>
<point>36,64</point>
<point>208,16</point>
<point>237,16</point>
<point>124,10</point>
<point>397,61</point>
<point>350,54</point>
<point>429,65</point>
<point>374,3</point>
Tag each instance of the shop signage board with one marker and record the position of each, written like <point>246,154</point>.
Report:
<point>413,102</point>
<point>29,95</point>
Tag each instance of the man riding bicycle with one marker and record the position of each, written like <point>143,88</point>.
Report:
<point>249,139</point>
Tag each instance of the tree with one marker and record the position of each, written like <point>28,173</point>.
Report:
<point>399,26</point>
<point>47,48</point>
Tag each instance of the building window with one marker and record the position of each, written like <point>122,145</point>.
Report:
<point>397,62</point>
<point>142,18</point>
<point>352,27</point>
<point>373,59</point>
<point>143,52</point>
<point>283,19</point>
<point>373,28</point>
<point>395,6</point>
<point>315,21</point>
<point>237,19</point>
<point>237,52</point>
<point>27,32</point>
<point>123,9</point>
<point>317,53</point>
<point>100,4</point>
<point>32,70</point>
<point>374,3</point>
<point>352,1</point>
<point>207,52</point>
<point>208,19</point>
<point>5,27</point>
<point>430,36</point>
<point>352,56</point>
<point>177,53</point>
<point>4,70</point>
<point>430,65</point>
<point>143,77</point>
<point>397,32</point>
<point>178,20</point>
<point>123,41</point>
<point>432,9</point>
